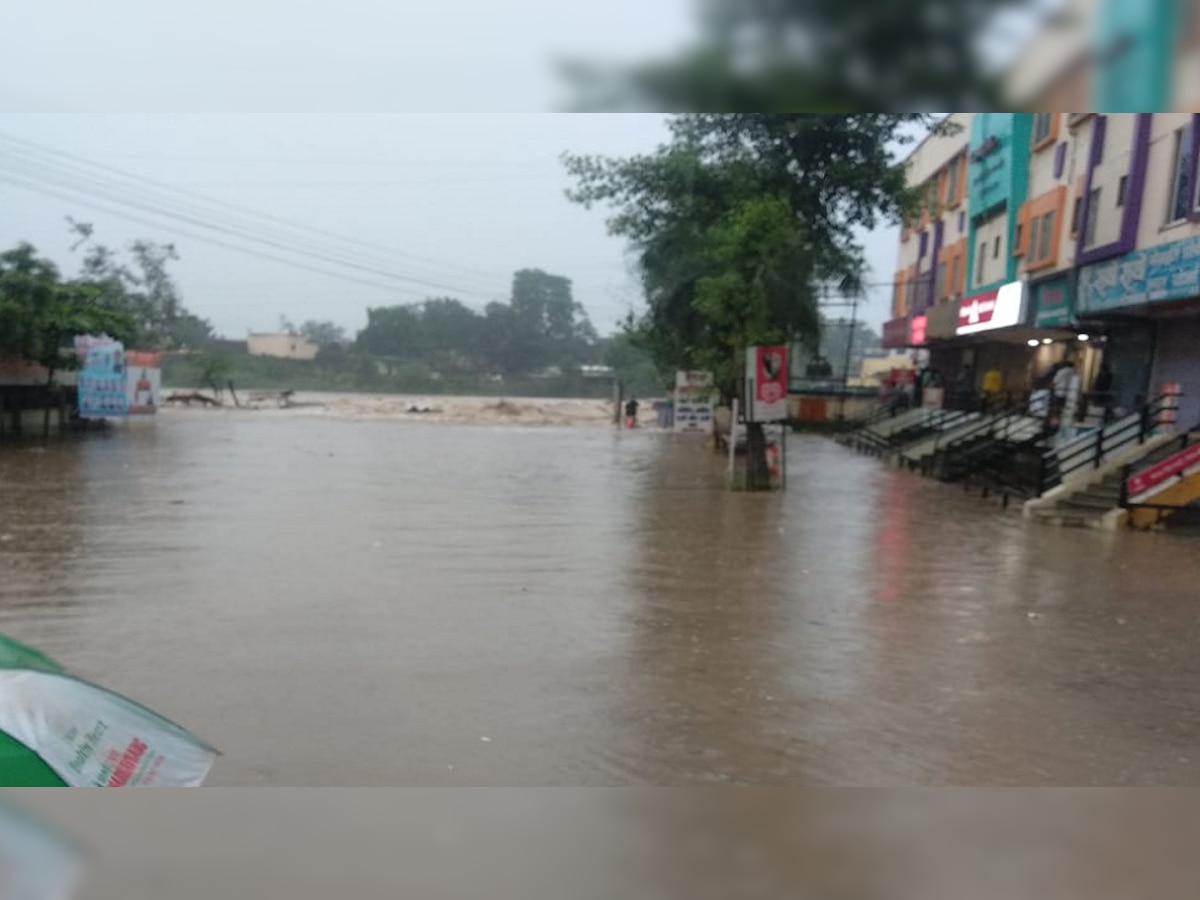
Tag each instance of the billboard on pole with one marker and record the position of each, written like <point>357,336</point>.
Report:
<point>100,384</point>
<point>767,384</point>
<point>694,402</point>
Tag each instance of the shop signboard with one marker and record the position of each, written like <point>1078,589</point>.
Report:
<point>918,331</point>
<point>941,321</point>
<point>100,384</point>
<point>694,402</point>
<point>1155,275</point>
<point>1179,464</point>
<point>1052,301</point>
<point>767,384</point>
<point>143,382</point>
<point>896,333</point>
<point>1000,308</point>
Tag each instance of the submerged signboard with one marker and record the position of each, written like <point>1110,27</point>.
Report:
<point>101,383</point>
<point>694,402</point>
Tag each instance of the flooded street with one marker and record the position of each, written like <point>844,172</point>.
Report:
<point>367,603</point>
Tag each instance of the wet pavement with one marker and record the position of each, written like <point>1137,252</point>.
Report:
<point>370,603</point>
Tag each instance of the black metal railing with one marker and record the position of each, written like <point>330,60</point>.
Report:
<point>956,459</point>
<point>1090,450</point>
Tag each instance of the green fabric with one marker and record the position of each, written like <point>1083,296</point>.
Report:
<point>15,655</point>
<point>21,767</point>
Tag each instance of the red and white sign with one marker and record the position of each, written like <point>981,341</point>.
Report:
<point>1168,468</point>
<point>917,335</point>
<point>767,380</point>
<point>1001,308</point>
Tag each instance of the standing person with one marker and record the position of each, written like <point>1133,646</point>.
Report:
<point>631,412</point>
<point>1065,383</point>
<point>1102,390</point>
<point>993,385</point>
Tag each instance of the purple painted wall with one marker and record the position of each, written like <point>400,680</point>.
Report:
<point>939,230</point>
<point>1132,217</point>
<point>1195,214</point>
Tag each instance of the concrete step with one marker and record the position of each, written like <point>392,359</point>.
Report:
<point>1086,503</point>
<point>1065,517</point>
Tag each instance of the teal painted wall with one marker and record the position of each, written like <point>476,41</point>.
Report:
<point>1135,40</point>
<point>997,180</point>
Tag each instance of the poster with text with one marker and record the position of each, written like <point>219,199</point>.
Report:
<point>767,384</point>
<point>143,382</point>
<point>100,384</point>
<point>694,402</point>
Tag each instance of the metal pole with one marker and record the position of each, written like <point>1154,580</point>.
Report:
<point>849,352</point>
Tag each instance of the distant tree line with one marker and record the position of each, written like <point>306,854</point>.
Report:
<point>539,332</point>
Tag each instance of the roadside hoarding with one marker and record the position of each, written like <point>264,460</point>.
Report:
<point>767,384</point>
<point>101,381</point>
<point>143,382</point>
<point>694,398</point>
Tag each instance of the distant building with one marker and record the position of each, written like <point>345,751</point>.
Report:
<point>281,346</point>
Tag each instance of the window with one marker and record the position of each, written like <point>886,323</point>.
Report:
<point>1034,233</point>
<point>979,265</point>
<point>1093,216</point>
<point>1041,127</point>
<point>996,248</point>
<point>931,198</point>
<point>1043,250</point>
<point>1075,215</point>
<point>1019,237</point>
<point>952,183</point>
<point>1122,190</point>
<point>943,288</point>
<point>1182,190</point>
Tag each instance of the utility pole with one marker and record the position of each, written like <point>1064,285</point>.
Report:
<point>849,353</point>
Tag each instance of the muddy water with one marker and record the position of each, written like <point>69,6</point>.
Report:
<point>369,603</point>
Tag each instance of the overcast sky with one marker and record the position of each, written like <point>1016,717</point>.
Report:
<point>429,205</point>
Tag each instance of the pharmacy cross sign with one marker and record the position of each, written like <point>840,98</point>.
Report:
<point>978,310</point>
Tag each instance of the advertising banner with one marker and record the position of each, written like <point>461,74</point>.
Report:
<point>143,383</point>
<point>101,382</point>
<point>1155,275</point>
<point>767,384</point>
<point>694,400</point>
<point>1001,308</point>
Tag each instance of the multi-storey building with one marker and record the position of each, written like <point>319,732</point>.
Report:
<point>1077,235</point>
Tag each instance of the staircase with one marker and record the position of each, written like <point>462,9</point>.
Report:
<point>1097,503</point>
<point>1086,508</point>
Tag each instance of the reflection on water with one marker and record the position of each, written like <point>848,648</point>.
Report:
<point>341,603</point>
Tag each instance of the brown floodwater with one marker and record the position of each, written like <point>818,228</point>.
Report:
<point>390,603</point>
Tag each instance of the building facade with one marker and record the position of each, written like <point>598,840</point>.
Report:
<point>1076,236</point>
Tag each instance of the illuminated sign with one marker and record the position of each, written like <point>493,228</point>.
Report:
<point>1001,308</point>
<point>918,330</point>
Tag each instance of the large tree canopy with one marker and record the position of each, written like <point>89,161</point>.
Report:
<point>540,327</point>
<point>776,55</point>
<point>41,314</point>
<point>740,218</point>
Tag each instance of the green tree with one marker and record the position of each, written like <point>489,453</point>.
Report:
<point>826,55</point>
<point>41,315</point>
<point>143,288</point>
<point>212,369</point>
<point>740,219</point>
<point>323,334</point>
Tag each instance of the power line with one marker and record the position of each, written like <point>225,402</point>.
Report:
<point>32,147</point>
<point>118,193</point>
<point>38,189</point>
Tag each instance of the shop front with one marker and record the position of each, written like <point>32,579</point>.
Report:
<point>1146,304</point>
